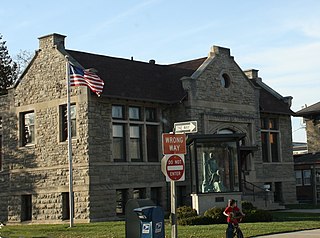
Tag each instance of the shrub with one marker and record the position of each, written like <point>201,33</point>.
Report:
<point>247,206</point>
<point>257,215</point>
<point>185,212</point>
<point>216,214</point>
<point>198,220</point>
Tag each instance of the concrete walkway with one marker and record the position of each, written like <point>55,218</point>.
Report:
<point>298,234</point>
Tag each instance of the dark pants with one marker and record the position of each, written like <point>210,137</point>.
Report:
<point>229,231</point>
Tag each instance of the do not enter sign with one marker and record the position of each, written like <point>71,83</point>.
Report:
<point>175,168</point>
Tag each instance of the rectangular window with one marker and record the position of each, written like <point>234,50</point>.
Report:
<point>278,194</point>
<point>152,143</point>
<point>139,193</point>
<point>135,133</point>
<point>306,177</point>
<point>264,142</point>
<point>270,140</point>
<point>118,145</point>
<point>134,113</point>
<point>151,114</point>
<point>135,143</point>
<point>121,200</point>
<point>156,194</point>
<point>298,174</point>
<point>27,128</point>
<point>26,208</point>
<point>274,147</point>
<point>65,206</point>
<point>1,122</point>
<point>117,112</point>
<point>64,122</point>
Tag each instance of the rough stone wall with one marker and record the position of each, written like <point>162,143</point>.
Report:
<point>42,170</point>
<point>211,104</point>
<point>282,171</point>
<point>237,108</point>
<point>313,136</point>
<point>106,176</point>
<point>4,175</point>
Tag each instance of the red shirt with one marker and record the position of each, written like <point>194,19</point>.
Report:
<point>234,210</point>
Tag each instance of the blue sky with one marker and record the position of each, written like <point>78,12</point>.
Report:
<point>280,38</point>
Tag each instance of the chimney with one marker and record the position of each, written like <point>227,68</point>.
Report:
<point>52,40</point>
<point>152,61</point>
<point>251,73</point>
<point>217,50</point>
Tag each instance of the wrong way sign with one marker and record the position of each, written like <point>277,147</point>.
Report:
<point>173,144</point>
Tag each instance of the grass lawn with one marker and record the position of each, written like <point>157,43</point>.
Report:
<point>283,221</point>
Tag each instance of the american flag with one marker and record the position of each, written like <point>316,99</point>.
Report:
<point>84,77</point>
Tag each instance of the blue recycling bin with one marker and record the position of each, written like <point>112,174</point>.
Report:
<point>151,221</point>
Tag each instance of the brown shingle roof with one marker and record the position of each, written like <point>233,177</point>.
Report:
<point>309,111</point>
<point>137,80</point>
<point>270,103</point>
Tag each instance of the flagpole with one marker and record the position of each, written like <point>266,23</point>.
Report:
<point>71,202</point>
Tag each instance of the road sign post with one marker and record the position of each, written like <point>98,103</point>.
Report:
<point>173,167</point>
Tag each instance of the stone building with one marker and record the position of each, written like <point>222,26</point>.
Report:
<point>116,138</point>
<point>307,166</point>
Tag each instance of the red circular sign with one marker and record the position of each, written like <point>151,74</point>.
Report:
<point>175,167</point>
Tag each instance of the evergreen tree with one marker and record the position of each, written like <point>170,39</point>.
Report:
<point>8,68</point>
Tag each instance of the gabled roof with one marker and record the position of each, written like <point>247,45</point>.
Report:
<point>270,101</point>
<point>135,80</point>
<point>309,111</point>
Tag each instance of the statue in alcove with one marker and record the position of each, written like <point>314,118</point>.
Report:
<point>211,174</point>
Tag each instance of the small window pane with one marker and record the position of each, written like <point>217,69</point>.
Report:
<point>298,177</point>
<point>134,132</point>
<point>121,199</point>
<point>117,112</point>
<point>151,114</point>
<point>118,143</point>
<point>274,147</point>
<point>134,113</point>
<point>264,143</point>
<point>28,128</point>
<point>273,125</point>
<point>264,124</point>
<point>117,131</point>
<point>307,177</point>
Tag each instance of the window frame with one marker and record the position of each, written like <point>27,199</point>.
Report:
<point>63,130</point>
<point>139,119</point>
<point>298,172</point>
<point>305,178</point>
<point>122,142</point>
<point>121,201</point>
<point>270,132</point>
<point>23,125</point>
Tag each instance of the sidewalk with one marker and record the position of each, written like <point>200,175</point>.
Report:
<point>298,234</point>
